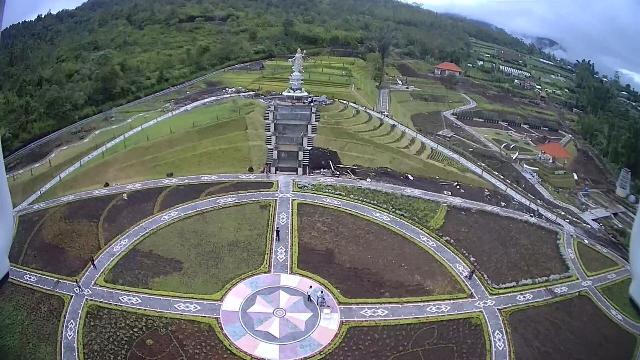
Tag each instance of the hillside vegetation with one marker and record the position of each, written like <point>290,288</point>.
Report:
<point>66,66</point>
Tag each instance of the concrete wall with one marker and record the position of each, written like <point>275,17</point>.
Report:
<point>6,219</point>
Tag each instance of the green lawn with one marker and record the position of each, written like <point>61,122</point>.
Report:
<point>24,184</point>
<point>30,322</point>
<point>220,138</point>
<point>593,261</point>
<point>618,294</point>
<point>361,140</point>
<point>431,97</point>
<point>337,77</point>
<point>201,254</point>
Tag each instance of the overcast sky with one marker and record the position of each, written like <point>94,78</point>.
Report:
<point>605,31</point>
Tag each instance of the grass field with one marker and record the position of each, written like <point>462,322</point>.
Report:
<point>432,96</point>
<point>592,261</point>
<point>200,254</point>
<point>220,138</point>
<point>363,140</point>
<point>26,183</point>
<point>618,294</point>
<point>30,322</point>
<point>337,77</point>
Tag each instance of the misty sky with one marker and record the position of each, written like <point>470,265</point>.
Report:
<point>604,31</point>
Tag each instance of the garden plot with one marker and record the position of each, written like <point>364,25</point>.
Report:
<point>507,251</point>
<point>575,326</point>
<point>456,339</point>
<point>364,259</point>
<point>30,322</point>
<point>618,294</point>
<point>181,194</point>
<point>593,261</point>
<point>63,240</point>
<point>200,254</point>
<point>127,210</point>
<point>137,336</point>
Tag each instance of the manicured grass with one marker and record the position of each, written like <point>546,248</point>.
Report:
<point>30,322</point>
<point>201,254</point>
<point>618,294</point>
<point>375,144</point>
<point>219,138</point>
<point>593,261</point>
<point>336,77</point>
<point>424,213</point>
<point>26,183</point>
<point>432,96</point>
<point>524,111</point>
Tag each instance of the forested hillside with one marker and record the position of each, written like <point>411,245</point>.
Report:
<point>63,67</point>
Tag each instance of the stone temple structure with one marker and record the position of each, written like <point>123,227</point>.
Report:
<point>6,222</point>
<point>290,126</point>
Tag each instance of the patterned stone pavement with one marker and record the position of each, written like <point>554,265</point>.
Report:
<point>480,301</point>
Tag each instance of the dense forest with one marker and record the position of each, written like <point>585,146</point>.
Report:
<point>611,124</point>
<point>66,66</point>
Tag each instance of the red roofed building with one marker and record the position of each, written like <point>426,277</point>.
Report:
<point>447,68</point>
<point>555,150</point>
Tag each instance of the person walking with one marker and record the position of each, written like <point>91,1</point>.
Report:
<point>471,274</point>
<point>93,262</point>
<point>78,284</point>
<point>277,234</point>
<point>309,293</point>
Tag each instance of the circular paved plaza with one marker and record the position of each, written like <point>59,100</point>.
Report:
<point>271,316</point>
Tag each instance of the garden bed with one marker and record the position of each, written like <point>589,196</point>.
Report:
<point>364,259</point>
<point>506,250</point>
<point>575,326</point>
<point>592,261</point>
<point>200,254</point>
<point>124,213</point>
<point>65,239</point>
<point>117,334</point>
<point>618,294</point>
<point>30,322</point>
<point>456,339</point>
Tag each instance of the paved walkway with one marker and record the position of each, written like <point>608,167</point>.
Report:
<point>383,101</point>
<point>480,300</point>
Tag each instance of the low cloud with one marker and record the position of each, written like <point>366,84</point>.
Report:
<point>603,31</point>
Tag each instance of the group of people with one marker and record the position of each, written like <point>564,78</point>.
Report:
<point>320,299</point>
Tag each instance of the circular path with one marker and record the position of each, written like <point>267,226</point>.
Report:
<point>264,316</point>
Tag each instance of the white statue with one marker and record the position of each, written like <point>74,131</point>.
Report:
<point>295,79</point>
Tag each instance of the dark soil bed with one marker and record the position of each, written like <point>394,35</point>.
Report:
<point>65,240</point>
<point>504,249</point>
<point>125,213</point>
<point>231,187</point>
<point>177,195</point>
<point>588,170</point>
<point>140,267</point>
<point>364,259</point>
<point>469,192</point>
<point>29,320</point>
<point>458,339</point>
<point>574,328</point>
<point>115,334</point>
<point>27,224</point>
